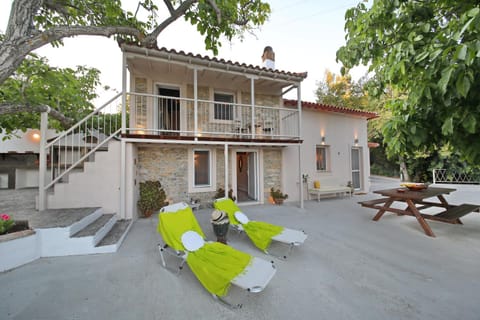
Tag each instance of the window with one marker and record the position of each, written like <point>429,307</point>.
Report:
<point>321,158</point>
<point>201,167</point>
<point>223,111</point>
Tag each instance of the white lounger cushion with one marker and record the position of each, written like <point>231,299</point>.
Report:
<point>192,241</point>
<point>256,276</point>
<point>174,207</point>
<point>241,217</point>
<point>295,237</point>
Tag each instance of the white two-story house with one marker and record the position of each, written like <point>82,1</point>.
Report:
<point>198,124</point>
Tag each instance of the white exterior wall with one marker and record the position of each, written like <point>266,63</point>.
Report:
<point>340,132</point>
<point>97,186</point>
<point>23,142</point>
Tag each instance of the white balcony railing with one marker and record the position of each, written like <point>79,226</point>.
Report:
<point>164,115</point>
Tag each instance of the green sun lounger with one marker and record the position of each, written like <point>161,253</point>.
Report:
<point>260,233</point>
<point>215,265</point>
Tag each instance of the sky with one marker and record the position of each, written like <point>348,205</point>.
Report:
<point>304,35</point>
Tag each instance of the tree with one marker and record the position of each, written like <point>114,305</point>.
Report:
<point>342,91</point>
<point>35,23</point>
<point>35,83</point>
<point>427,53</point>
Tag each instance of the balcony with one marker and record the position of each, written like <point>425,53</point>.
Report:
<point>165,117</point>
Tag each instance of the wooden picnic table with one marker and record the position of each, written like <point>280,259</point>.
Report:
<point>416,201</point>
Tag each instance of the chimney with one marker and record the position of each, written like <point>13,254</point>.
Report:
<point>268,58</point>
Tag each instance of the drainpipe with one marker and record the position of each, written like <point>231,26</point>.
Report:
<point>299,106</point>
<point>225,151</point>
<point>42,161</point>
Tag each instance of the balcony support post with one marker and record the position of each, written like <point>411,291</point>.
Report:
<point>124,93</point>
<point>195,103</point>
<point>252,94</point>
<point>225,151</point>
<point>123,160</point>
<point>42,172</point>
<point>299,134</point>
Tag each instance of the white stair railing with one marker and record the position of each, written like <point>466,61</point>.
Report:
<point>77,144</point>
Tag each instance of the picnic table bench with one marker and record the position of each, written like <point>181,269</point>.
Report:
<point>415,201</point>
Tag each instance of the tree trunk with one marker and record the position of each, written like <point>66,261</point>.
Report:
<point>404,176</point>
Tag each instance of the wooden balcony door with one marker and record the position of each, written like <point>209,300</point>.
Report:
<point>247,176</point>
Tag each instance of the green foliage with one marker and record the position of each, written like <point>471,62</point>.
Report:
<point>342,91</point>
<point>152,196</point>
<point>69,91</point>
<point>6,223</point>
<point>236,17</point>
<point>426,58</point>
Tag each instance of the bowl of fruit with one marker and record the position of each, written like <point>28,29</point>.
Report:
<point>415,186</point>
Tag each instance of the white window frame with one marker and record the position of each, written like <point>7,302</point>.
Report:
<point>192,188</point>
<point>212,106</point>
<point>327,157</point>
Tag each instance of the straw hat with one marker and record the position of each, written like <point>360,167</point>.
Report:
<point>218,217</point>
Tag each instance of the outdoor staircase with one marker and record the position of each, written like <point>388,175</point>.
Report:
<point>96,184</point>
<point>80,231</point>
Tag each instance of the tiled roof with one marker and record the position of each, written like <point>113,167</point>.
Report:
<point>328,108</point>
<point>205,58</point>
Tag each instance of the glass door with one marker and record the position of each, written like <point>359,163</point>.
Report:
<point>356,168</point>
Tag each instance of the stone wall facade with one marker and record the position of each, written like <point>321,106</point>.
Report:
<point>169,165</point>
<point>272,172</point>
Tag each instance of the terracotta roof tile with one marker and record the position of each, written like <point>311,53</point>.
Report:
<point>328,108</point>
<point>302,75</point>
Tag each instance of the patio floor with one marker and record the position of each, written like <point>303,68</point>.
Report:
<point>349,268</point>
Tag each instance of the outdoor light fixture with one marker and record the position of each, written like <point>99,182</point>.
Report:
<point>356,141</point>
<point>323,140</point>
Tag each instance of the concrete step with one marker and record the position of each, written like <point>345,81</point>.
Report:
<point>98,228</point>
<point>116,235</point>
<point>93,227</point>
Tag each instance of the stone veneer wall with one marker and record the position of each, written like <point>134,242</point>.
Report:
<point>169,165</point>
<point>261,99</point>
<point>272,168</point>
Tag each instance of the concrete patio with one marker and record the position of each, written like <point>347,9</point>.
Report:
<point>349,268</point>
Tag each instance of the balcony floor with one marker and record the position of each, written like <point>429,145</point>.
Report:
<point>260,139</point>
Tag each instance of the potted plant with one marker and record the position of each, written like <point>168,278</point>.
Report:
<point>152,197</point>
<point>278,196</point>
<point>6,223</point>
<point>221,193</point>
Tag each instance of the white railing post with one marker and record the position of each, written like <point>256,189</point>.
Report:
<point>42,191</point>
<point>433,174</point>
